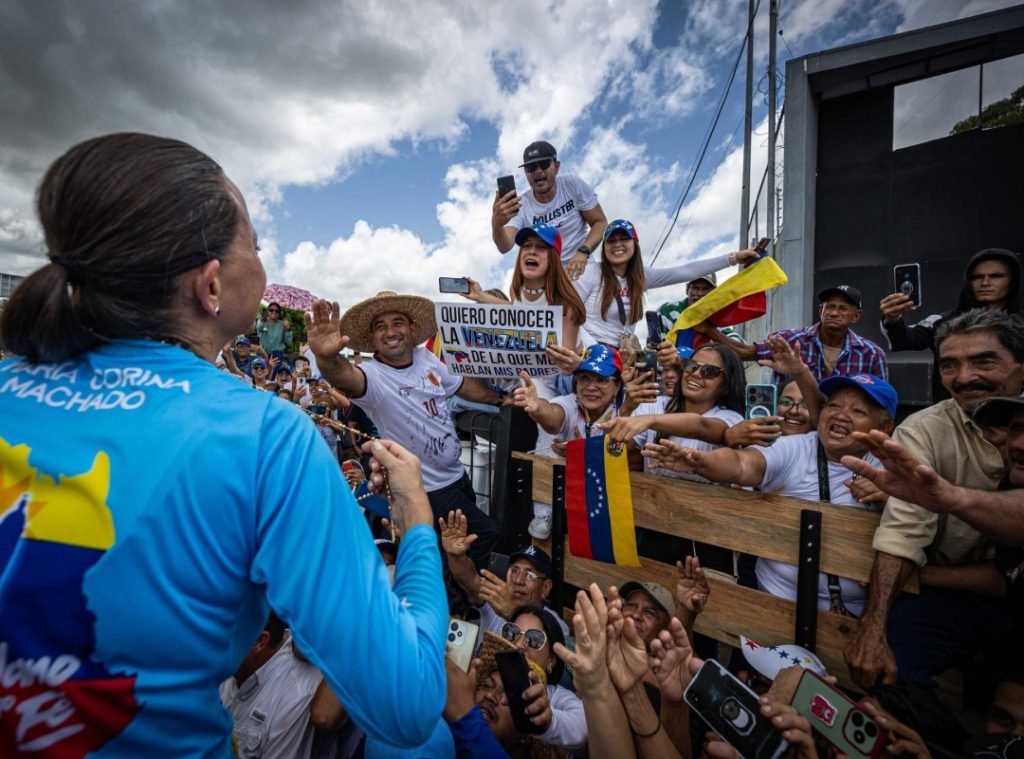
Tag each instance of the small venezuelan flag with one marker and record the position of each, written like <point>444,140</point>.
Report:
<point>598,502</point>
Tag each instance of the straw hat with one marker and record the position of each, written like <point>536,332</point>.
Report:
<point>493,644</point>
<point>356,322</point>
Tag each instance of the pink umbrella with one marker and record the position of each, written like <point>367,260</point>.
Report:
<point>289,297</point>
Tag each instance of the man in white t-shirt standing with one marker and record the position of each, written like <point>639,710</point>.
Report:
<point>404,389</point>
<point>566,203</point>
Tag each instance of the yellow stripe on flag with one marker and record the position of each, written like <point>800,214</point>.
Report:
<point>761,275</point>
<point>620,505</point>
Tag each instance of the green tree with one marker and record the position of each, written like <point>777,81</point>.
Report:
<point>1009,110</point>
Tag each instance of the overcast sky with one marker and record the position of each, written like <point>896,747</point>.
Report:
<point>366,136</point>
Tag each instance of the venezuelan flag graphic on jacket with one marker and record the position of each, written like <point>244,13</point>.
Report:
<point>598,502</point>
<point>55,699</point>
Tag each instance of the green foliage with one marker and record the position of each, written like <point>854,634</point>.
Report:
<point>1005,112</point>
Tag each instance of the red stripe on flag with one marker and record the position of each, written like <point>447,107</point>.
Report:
<point>576,499</point>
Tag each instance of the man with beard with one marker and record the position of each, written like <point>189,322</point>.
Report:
<point>981,356</point>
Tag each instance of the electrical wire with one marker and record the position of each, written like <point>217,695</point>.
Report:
<point>663,238</point>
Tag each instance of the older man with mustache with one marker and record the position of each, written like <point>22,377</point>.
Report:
<point>981,356</point>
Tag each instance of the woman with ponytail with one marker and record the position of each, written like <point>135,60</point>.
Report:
<point>145,534</point>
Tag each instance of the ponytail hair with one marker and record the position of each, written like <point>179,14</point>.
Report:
<point>123,217</point>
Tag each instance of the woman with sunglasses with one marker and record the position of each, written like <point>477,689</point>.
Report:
<point>275,333</point>
<point>534,631</point>
<point>706,401</point>
<point>612,289</point>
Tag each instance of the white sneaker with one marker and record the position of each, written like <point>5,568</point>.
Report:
<point>540,527</point>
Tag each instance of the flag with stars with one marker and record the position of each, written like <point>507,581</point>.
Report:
<point>598,502</point>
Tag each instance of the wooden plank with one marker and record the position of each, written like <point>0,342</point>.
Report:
<point>762,524</point>
<point>732,610</point>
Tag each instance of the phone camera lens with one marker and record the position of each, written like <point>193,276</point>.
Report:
<point>871,729</point>
<point>858,736</point>
<point>857,718</point>
<point>451,637</point>
<point>455,626</point>
<point>730,710</point>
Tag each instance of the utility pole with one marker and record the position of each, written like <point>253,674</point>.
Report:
<point>747,127</point>
<point>773,30</point>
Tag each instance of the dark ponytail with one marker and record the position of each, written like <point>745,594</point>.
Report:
<point>124,216</point>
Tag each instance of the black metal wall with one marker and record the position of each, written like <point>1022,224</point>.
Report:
<point>935,203</point>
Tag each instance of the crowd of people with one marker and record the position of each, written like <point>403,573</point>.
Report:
<point>363,415</point>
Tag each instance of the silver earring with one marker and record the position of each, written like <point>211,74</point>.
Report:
<point>216,311</point>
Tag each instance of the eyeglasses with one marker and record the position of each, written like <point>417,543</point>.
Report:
<point>529,574</point>
<point>273,310</point>
<point>785,402</point>
<point>706,371</point>
<point>535,639</point>
<point>543,165</point>
<point>586,378</point>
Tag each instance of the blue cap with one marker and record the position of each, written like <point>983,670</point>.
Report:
<point>602,360</point>
<point>621,224</point>
<point>259,362</point>
<point>880,391</point>
<point>545,232</point>
<point>243,340</point>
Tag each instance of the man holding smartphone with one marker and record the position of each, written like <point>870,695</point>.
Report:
<point>566,203</point>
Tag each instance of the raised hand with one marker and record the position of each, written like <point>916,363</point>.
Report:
<point>673,661</point>
<point>894,306</point>
<point>538,706</point>
<point>639,390</point>
<point>323,330</point>
<point>625,428</point>
<point>668,355</point>
<point>746,256</point>
<point>504,208</point>
<point>761,431</point>
<point>785,357</point>
<point>692,587</point>
<point>566,359</point>
<point>589,660</point>
<point>627,654</point>
<point>525,396</point>
<point>396,471</point>
<point>476,292</point>
<point>498,593</point>
<point>454,538</point>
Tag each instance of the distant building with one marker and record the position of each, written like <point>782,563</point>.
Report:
<point>7,284</point>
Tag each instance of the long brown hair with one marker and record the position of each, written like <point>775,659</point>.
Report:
<point>558,290</point>
<point>636,281</point>
<point>124,216</point>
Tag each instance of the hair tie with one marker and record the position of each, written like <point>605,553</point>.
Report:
<point>70,267</point>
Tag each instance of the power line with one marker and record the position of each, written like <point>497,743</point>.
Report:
<point>707,139</point>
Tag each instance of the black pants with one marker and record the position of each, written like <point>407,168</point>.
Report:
<point>460,495</point>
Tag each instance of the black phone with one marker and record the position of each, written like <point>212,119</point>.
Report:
<point>506,184</point>
<point>907,280</point>
<point>315,409</point>
<point>515,678</point>
<point>498,565</point>
<point>762,245</point>
<point>453,284</point>
<point>653,328</point>
<point>731,709</point>
<point>647,361</point>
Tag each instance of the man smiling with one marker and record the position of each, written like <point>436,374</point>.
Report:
<point>981,356</point>
<point>404,389</point>
<point>566,203</point>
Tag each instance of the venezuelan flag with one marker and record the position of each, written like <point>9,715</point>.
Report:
<point>598,502</point>
<point>719,305</point>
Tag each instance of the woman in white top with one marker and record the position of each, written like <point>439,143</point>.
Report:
<point>539,278</point>
<point>612,289</point>
<point>707,400</point>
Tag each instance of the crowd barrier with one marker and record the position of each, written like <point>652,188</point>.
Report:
<point>820,536</point>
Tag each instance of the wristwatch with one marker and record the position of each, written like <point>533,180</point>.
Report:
<point>584,249</point>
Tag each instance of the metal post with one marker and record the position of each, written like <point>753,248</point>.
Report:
<point>747,127</point>
<point>773,29</point>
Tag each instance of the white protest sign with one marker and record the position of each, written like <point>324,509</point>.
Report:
<point>484,340</point>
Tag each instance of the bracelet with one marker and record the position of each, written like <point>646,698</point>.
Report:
<point>657,729</point>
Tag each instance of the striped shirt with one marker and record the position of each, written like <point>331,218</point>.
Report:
<point>857,356</point>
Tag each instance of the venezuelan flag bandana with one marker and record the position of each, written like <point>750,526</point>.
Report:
<point>598,502</point>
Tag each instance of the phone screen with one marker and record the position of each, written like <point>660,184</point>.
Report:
<point>653,328</point>
<point>453,284</point>
<point>506,184</point>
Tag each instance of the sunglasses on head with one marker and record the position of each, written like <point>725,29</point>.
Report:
<point>535,639</point>
<point>706,371</point>
<point>543,165</point>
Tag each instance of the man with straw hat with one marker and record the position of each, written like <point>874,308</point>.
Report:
<point>403,389</point>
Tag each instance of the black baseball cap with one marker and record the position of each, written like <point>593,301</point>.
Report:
<point>852,294</point>
<point>997,412</point>
<point>537,151</point>
<point>536,556</point>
